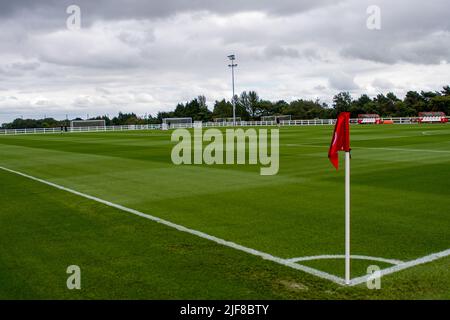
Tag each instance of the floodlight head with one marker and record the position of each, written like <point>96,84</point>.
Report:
<point>231,57</point>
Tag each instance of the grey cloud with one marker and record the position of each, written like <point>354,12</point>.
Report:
<point>320,87</point>
<point>103,90</point>
<point>342,82</point>
<point>42,103</point>
<point>84,49</point>
<point>138,9</point>
<point>382,84</point>
<point>412,32</point>
<point>148,55</point>
<point>25,66</point>
<point>18,69</point>
<point>136,39</point>
<point>278,51</point>
<point>430,49</point>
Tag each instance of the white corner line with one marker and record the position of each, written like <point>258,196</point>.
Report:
<point>200,234</point>
<point>286,262</point>
<point>341,256</point>
<point>402,266</point>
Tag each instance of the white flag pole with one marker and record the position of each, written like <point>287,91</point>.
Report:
<point>347,217</point>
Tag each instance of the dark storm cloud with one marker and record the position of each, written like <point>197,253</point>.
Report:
<point>411,31</point>
<point>146,56</point>
<point>126,9</point>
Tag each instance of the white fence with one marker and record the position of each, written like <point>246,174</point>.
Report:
<point>79,129</point>
<point>311,122</point>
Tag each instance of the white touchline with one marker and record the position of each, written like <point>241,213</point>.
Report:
<point>372,148</point>
<point>406,150</point>
<point>200,234</point>
<point>341,256</point>
<point>266,256</point>
<point>404,265</point>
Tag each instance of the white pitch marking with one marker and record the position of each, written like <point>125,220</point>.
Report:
<point>200,234</point>
<point>266,256</point>
<point>341,256</point>
<point>368,148</point>
<point>406,150</point>
<point>304,145</point>
<point>404,265</point>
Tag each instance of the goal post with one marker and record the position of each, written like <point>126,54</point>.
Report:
<point>226,120</point>
<point>173,123</point>
<point>276,118</point>
<point>87,123</point>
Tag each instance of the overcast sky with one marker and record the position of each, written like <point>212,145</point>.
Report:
<point>145,56</point>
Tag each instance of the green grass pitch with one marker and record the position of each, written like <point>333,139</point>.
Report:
<point>400,210</point>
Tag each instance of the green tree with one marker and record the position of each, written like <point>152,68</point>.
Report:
<point>222,109</point>
<point>342,102</point>
<point>253,108</point>
<point>440,103</point>
<point>265,108</point>
<point>446,91</point>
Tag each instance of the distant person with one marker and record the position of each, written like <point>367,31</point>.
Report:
<point>278,121</point>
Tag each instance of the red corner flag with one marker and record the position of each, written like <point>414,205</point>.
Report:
<point>341,138</point>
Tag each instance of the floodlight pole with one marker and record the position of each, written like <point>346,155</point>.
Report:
<point>232,58</point>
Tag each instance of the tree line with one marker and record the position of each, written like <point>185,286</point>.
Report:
<point>249,106</point>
